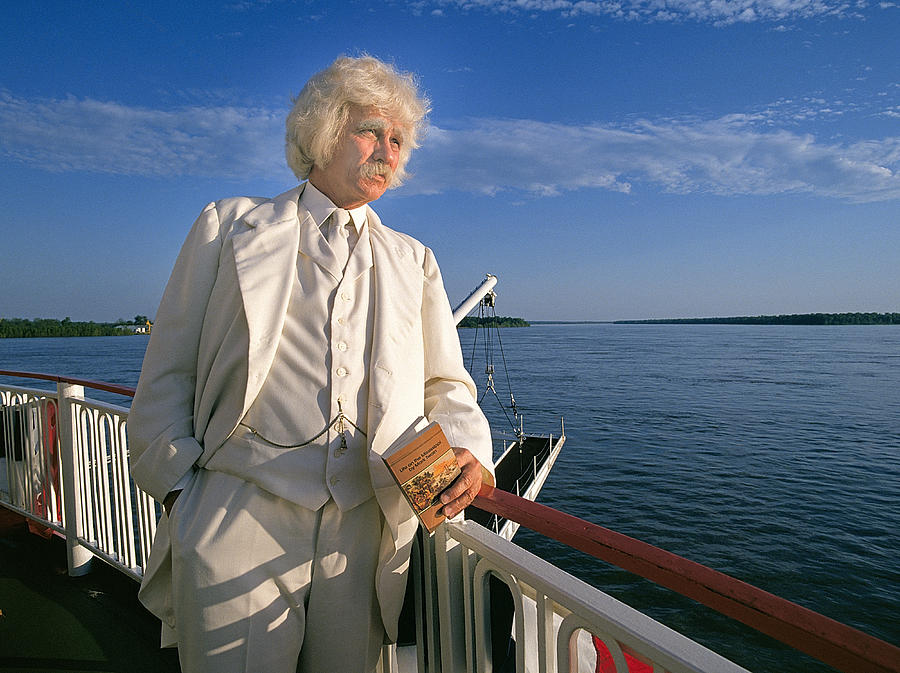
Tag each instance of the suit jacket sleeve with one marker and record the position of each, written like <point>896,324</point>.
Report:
<point>450,395</point>
<point>161,422</point>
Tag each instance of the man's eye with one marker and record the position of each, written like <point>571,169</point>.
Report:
<point>395,142</point>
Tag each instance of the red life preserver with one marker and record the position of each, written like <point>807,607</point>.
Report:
<point>605,662</point>
<point>50,483</point>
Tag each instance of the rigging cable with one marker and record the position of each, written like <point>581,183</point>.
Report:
<point>486,321</point>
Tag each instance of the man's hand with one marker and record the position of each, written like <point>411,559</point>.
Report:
<point>460,494</point>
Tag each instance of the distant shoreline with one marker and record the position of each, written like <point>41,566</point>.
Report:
<point>471,321</point>
<point>792,319</point>
<point>571,322</point>
<point>51,328</point>
<point>41,328</point>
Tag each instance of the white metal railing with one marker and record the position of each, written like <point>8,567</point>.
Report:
<point>65,453</point>
<point>29,474</point>
<point>556,614</point>
<point>117,519</point>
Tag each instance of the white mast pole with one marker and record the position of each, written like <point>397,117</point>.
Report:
<point>472,300</point>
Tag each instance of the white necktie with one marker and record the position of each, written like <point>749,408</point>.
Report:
<point>337,236</point>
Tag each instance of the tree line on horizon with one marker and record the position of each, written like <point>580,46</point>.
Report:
<point>793,319</point>
<point>20,328</point>
<point>492,321</point>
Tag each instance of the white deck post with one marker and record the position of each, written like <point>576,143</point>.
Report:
<point>77,557</point>
<point>456,650</point>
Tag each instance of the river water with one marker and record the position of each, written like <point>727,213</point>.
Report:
<point>770,453</point>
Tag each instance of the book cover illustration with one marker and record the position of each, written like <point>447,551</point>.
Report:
<point>423,467</point>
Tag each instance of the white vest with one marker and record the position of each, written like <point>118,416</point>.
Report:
<point>321,366</point>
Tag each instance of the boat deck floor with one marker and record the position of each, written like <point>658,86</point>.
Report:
<point>51,622</point>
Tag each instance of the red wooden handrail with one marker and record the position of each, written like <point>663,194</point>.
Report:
<point>128,391</point>
<point>843,647</point>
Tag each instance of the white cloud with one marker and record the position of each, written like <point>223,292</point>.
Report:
<point>727,156</point>
<point>760,152</point>
<point>719,12</point>
<point>83,134</point>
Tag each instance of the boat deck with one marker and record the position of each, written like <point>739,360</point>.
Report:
<point>516,472</point>
<point>51,622</point>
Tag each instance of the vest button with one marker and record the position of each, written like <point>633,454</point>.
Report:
<point>342,371</point>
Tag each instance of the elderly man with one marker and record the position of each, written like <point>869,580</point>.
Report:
<point>297,339</point>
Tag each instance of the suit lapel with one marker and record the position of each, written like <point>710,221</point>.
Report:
<point>397,303</point>
<point>265,256</point>
<point>397,284</point>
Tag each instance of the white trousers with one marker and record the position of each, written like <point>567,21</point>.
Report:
<point>261,584</point>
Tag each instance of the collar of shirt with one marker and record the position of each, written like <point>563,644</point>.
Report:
<point>321,207</point>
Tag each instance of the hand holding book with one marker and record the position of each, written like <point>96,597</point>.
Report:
<point>437,480</point>
<point>460,494</point>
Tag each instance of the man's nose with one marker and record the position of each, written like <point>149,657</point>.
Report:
<point>385,150</point>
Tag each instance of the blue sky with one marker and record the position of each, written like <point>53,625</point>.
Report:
<point>608,160</point>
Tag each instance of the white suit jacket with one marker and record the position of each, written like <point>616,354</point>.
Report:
<point>215,337</point>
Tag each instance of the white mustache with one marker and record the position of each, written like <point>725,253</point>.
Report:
<point>376,168</point>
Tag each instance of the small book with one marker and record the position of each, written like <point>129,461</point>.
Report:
<point>424,465</point>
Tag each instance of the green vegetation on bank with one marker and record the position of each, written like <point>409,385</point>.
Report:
<point>794,319</point>
<point>18,328</point>
<point>492,321</point>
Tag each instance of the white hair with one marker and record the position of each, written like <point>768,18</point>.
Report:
<point>322,110</point>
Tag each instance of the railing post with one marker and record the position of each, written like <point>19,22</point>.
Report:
<point>455,651</point>
<point>77,557</point>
